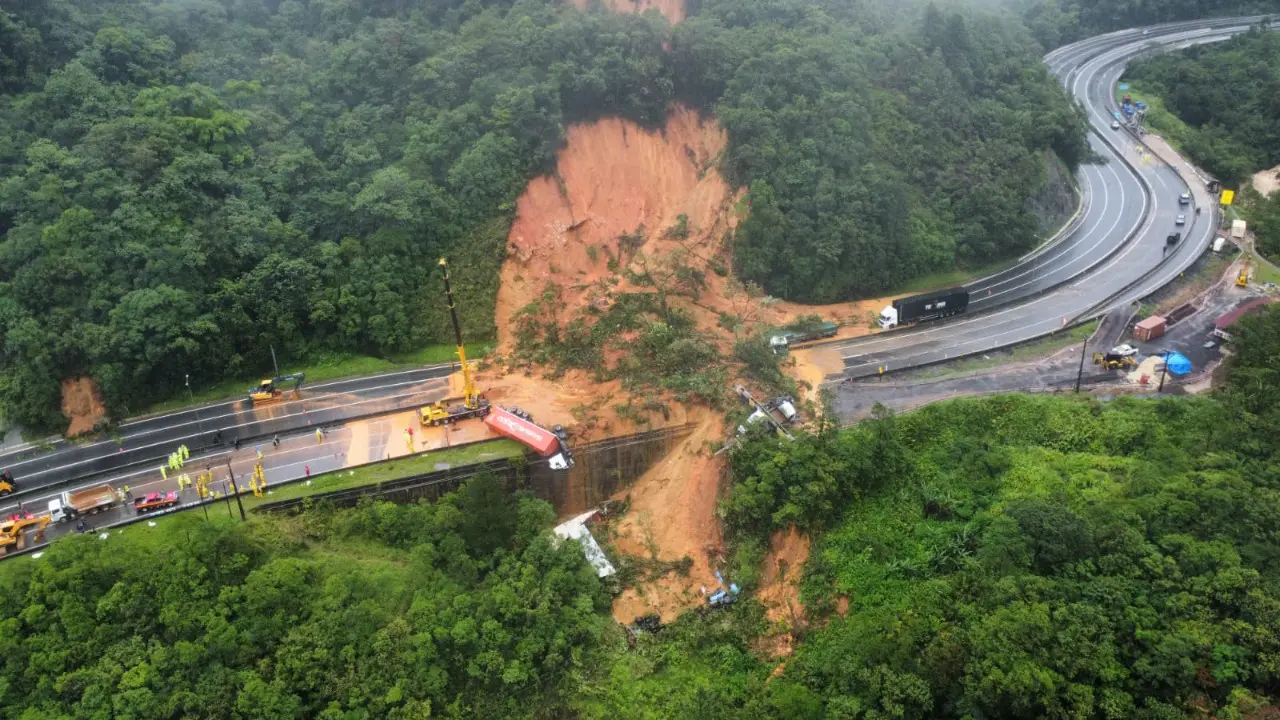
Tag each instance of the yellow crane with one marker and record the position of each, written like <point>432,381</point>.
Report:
<point>472,405</point>
<point>1242,280</point>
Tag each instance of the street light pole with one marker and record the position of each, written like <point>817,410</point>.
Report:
<point>1163,370</point>
<point>1084,346</point>
<point>192,398</point>
<point>235,490</point>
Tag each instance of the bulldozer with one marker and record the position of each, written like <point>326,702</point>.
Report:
<point>471,404</point>
<point>1112,361</point>
<point>269,390</point>
<point>13,533</point>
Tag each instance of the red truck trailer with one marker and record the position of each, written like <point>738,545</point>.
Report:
<point>540,440</point>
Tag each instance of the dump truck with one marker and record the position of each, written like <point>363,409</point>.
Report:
<point>787,338</point>
<point>72,504</point>
<point>535,437</point>
<point>155,501</point>
<point>928,306</point>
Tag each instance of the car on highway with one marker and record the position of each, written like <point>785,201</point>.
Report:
<point>1184,198</point>
<point>1180,220</point>
<point>1115,124</point>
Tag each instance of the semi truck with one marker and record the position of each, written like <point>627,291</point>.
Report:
<point>787,338</point>
<point>535,437</point>
<point>72,504</point>
<point>928,306</point>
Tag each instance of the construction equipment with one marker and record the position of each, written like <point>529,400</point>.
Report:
<point>71,504</point>
<point>13,533</point>
<point>1114,361</point>
<point>268,390</point>
<point>1242,280</point>
<point>471,404</point>
<point>7,485</point>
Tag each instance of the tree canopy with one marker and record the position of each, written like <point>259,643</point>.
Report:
<point>187,184</point>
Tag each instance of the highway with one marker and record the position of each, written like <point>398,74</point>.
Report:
<point>1116,254</point>
<point>148,441</point>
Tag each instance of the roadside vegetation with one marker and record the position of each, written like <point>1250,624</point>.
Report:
<point>1219,104</point>
<point>999,557</point>
<point>188,186</point>
<point>1059,22</point>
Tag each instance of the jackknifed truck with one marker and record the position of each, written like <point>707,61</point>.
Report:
<point>928,306</point>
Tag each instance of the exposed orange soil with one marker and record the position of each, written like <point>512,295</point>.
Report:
<point>779,587</point>
<point>613,179</point>
<point>82,405</point>
<point>672,9</point>
<point>673,512</point>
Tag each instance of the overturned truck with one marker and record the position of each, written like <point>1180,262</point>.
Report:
<point>546,443</point>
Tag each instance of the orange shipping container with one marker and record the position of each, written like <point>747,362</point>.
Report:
<point>1149,329</point>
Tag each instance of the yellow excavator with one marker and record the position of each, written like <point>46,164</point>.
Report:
<point>1242,280</point>
<point>1114,361</point>
<point>471,404</point>
<point>269,389</point>
<point>13,533</point>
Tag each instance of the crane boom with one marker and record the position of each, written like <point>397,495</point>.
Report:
<point>469,396</point>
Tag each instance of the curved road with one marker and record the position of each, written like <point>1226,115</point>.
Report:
<point>1129,204</point>
<point>1115,255</point>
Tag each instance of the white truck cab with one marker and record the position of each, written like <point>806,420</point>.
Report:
<point>888,317</point>
<point>59,512</point>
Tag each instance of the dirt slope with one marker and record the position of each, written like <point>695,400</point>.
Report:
<point>672,9</point>
<point>82,405</point>
<point>673,515</point>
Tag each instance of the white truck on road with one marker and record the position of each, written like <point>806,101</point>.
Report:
<point>72,504</point>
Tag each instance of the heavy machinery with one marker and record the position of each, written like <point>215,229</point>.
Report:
<point>1242,280</point>
<point>471,404</point>
<point>71,504</point>
<point>269,390</point>
<point>1114,361</point>
<point>7,485</point>
<point>13,533</point>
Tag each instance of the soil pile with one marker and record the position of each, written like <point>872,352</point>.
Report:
<point>1267,181</point>
<point>82,405</point>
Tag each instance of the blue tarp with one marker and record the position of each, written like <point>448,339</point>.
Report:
<point>1178,363</point>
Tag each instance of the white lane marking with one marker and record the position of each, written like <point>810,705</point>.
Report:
<point>203,420</point>
<point>178,441</point>
<point>330,383</point>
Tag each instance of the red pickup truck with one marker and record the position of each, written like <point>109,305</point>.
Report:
<point>155,501</point>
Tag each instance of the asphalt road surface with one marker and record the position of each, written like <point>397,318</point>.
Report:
<point>150,440</point>
<point>1117,254</point>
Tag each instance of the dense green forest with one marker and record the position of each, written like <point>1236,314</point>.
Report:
<point>1058,22</point>
<point>1004,557</point>
<point>188,183</point>
<point>1229,96</point>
